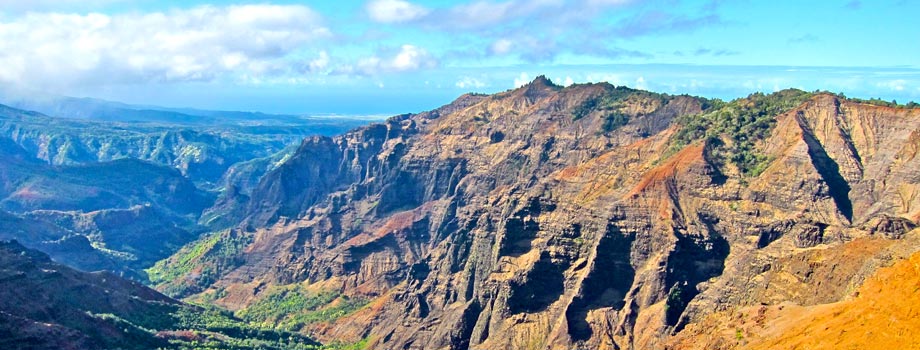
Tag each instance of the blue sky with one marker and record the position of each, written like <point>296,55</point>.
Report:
<point>395,56</point>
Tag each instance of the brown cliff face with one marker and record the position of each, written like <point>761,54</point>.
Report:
<point>546,217</point>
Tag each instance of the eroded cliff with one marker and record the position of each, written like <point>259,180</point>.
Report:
<point>591,216</point>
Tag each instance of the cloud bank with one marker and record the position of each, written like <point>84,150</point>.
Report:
<point>198,44</point>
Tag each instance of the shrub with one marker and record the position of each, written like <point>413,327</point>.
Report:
<point>614,121</point>
<point>742,122</point>
<point>292,308</point>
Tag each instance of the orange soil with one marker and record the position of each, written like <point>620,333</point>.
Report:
<point>885,315</point>
<point>669,169</point>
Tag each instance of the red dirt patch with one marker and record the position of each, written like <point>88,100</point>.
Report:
<point>662,173</point>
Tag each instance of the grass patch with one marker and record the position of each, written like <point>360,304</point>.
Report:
<point>209,257</point>
<point>292,308</point>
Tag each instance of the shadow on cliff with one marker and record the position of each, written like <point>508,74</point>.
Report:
<point>606,285</point>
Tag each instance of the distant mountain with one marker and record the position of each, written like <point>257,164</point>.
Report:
<point>582,217</point>
<point>119,216</point>
<point>202,146</point>
<point>102,110</point>
<point>45,305</point>
<point>123,183</point>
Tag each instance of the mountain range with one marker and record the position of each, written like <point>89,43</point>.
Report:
<point>591,216</point>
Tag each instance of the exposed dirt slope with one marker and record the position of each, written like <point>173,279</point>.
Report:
<point>883,313</point>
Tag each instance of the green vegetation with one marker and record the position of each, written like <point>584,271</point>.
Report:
<point>292,308</point>
<point>208,327</point>
<point>183,260</point>
<point>614,121</point>
<point>732,129</point>
<point>212,255</point>
<point>675,304</point>
<point>360,345</point>
<point>610,106</point>
<point>733,206</point>
<point>883,103</point>
<point>586,107</point>
<point>611,100</point>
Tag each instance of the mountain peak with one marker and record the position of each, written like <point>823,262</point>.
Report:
<point>542,80</point>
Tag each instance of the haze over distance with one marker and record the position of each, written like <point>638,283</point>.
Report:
<point>395,56</point>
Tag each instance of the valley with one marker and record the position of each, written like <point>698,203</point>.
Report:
<point>123,189</point>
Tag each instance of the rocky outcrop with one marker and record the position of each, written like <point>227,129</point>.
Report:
<point>550,217</point>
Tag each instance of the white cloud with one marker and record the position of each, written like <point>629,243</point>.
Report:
<point>320,63</point>
<point>43,50</point>
<point>568,81</point>
<point>613,79</point>
<point>893,85</point>
<point>641,83</point>
<point>469,82</point>
<point>411,58</point>
<point>18,6</point>
<point>501,47</point>
<point>522,80</point>
<point>408,58</point>
<point>394,11</point>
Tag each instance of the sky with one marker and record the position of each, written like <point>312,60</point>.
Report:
<point>397,56</point>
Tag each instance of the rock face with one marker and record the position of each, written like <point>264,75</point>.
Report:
<point>549,217</point>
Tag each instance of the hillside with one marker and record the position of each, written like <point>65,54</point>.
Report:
<point>881,316</point>
<point>588,217</point>
<point>45,305</point>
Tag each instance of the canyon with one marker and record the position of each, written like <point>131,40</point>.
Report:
<point>591,216</point>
